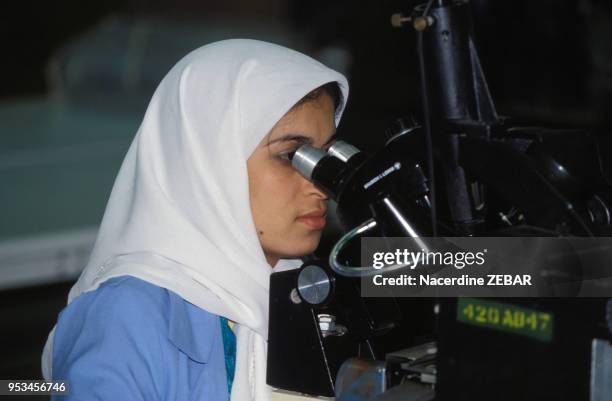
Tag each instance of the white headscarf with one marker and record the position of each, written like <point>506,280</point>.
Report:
<point>179,214</point>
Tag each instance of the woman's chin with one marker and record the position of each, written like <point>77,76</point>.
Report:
<point>304,249</point>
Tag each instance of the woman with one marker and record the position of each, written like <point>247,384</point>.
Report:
<point>205,204</point>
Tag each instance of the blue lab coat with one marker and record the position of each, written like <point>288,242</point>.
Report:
<point>132,340</point>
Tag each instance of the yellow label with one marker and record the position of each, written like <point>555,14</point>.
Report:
<point>506,317</point>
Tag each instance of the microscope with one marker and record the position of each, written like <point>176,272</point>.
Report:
<point>462,172</point>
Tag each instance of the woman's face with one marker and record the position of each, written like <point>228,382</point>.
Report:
<point>288,210</point>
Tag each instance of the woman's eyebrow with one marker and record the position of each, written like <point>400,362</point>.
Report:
<point>301,139</point>
<point>292,137</point>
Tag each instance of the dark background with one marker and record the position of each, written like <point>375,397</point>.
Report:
<point>547,62</point>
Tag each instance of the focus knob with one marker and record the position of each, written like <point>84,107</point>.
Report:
<point>314,284</point>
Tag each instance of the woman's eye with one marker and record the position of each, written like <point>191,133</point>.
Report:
<point>286,156</point>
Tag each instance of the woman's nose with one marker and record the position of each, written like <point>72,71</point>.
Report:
<point>312,189</point>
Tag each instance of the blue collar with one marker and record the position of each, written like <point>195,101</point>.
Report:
<point>191,329</point>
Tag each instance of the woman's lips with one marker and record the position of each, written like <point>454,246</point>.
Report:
<point>316,220</point>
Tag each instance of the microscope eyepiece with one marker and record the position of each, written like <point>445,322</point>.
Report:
<point>342,150</point>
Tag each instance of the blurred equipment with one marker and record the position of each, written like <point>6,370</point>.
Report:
<point>465,171</point>
<point>59,154</point>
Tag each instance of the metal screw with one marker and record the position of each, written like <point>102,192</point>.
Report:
<point>398,20</point>
<point>421,23</point>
